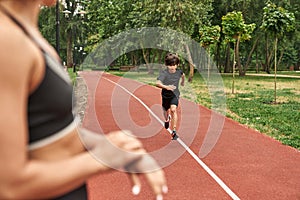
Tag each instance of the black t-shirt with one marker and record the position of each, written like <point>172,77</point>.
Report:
<point>168,78</point>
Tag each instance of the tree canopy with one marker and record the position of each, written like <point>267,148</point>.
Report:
<point>105,19</point>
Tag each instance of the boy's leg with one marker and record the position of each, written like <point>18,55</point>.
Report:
<point>166,114</point>
<point>166,111</point>
<point>174,121</point>
<point>167,118</point>
<point>173,112</point>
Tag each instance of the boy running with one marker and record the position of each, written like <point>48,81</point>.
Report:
<point>168,80</point>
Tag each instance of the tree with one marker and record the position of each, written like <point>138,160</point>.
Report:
<point>208,36</point>
<point>47,24</point>
<point>234,28</point>
<point>107,18</point>
<point>277,21</point>
<point>73,28</point>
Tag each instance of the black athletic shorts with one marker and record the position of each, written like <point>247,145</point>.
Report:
<point>167,102</point>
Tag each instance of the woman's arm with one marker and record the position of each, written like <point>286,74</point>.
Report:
<point>45,179</point>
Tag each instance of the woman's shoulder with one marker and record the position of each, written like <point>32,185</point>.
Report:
<point>14,42</point>
<point>18,55</point>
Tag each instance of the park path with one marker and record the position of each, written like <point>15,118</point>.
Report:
<point>278,75</point>
<point>252,165</point>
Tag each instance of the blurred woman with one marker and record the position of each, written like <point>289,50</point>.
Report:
<point>41,146</point>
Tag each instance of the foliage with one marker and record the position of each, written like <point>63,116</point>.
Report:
<point>235,30</point>
<point>178,15</point>
<point>72,28</point>
<point>209,35</point>
<point>277,20</point>
<point>233,26</point>
<point>105,19</point>
<point>108,18</point>
<point>47,24</point>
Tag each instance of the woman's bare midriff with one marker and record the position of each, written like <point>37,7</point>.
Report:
<point>63,148</point>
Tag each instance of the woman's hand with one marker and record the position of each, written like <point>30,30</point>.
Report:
<point>121,150</point>
<point>115,150</point>
<point>154,175</point>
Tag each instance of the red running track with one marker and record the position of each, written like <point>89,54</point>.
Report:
<point>252,165</point>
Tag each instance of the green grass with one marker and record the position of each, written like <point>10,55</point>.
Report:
<point>252,103</point>
<point>72,74</point>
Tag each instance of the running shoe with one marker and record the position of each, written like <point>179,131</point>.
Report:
<point>174,135</point>
<point>167,123</point>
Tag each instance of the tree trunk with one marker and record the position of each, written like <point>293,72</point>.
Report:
<point>256,61</point>
<point>275,70</point>
<point>69,49</point>
<point>208,64</point>
<point>237,56</point>
<point>155,52</point>
<point>267,64</point>
<point>233,70</point>
<point>146,59</point>
<point>218,56</point>
<point>160,59</point>
<point>227,59</point>
<point>281,56</point>
<point>250,55</point>
<point>191,63</point>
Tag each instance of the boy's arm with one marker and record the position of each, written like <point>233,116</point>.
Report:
<point>160,84</point>
<point>167,87</point>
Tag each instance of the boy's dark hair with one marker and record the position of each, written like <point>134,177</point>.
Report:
<point>171,59</point>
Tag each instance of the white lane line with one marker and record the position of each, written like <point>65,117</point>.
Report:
<point>198,160</point>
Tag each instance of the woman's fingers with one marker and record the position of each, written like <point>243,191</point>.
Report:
<point>157,182</point>
<point>154,175</point>
<point>136,183</point>
<point>155,179</point>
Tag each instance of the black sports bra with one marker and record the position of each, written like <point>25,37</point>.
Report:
<point>50,105</point>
